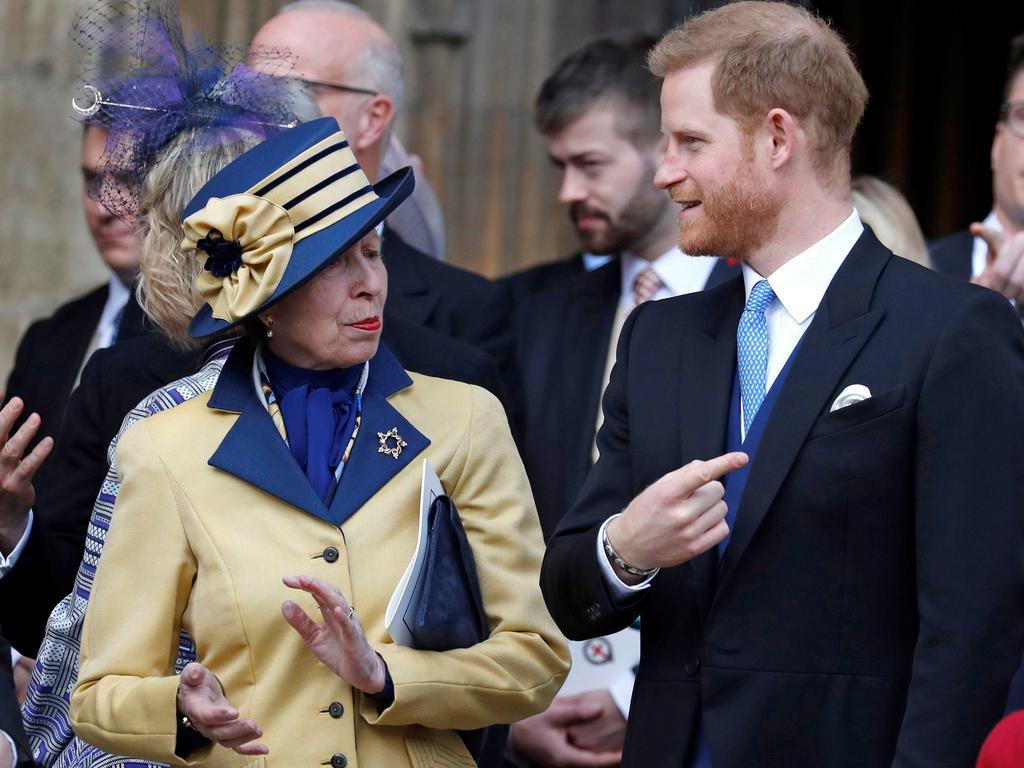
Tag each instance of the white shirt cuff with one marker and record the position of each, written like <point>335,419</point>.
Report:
<point>619,588</point>
<point>14,750</point>
<point>622,691</point>
<point>6,563</point>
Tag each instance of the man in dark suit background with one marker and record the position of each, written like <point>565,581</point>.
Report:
<point>850,592</point>
<point>991,252</point>
<point>599,114</point>
<point>52,353</point>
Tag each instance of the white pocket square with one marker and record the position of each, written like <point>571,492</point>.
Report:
<point>852,394</point>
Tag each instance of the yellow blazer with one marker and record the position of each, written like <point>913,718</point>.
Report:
<point>194,545</point>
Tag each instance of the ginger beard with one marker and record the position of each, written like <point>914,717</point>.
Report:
<point>733,220</point>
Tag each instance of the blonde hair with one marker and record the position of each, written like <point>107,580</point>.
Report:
<point>772,54</point>
<point>166,288</point>
<point>887,212</point>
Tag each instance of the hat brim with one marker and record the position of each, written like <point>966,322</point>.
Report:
<point>315,252</point>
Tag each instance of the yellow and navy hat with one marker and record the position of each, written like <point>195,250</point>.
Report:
<point>272,218</point>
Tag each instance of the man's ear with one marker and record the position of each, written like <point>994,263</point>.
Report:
<point>374,119</point>
<point>785,136</point>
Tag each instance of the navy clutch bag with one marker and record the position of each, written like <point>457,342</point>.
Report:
<point>451,610</point>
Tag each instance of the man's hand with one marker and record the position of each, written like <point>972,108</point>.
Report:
<point>1005,270</point>
<point>677,518</point>
<point>6,755</point>
<point>544,738</point>
<point>202,699</point>
<point>22,673</point>
<point>607,731</point>
<point>16,472</point>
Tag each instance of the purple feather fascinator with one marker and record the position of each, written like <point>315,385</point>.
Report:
<point>145,83</point>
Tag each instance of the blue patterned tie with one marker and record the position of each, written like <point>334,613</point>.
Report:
<point>752,350</point>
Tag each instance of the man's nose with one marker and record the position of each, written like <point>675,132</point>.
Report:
<point>670,171</point>
<point>573,189</point>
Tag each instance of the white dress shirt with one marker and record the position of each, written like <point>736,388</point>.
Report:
<point>117,299</point>
<point>678,273</point>
<point>799,287</point>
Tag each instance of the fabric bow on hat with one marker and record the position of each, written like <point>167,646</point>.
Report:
<point>248,243</point>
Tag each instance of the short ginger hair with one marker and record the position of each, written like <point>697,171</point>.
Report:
<point>769,55</point>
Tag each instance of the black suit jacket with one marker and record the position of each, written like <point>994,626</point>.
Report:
<point>450,301</point>
<point>543,277</point>
<point>952,255</point>
<point>114,381</point>
<point>564,337</point>
<point>50,355</point>
<point>10,712</point>
<point>868,608</point>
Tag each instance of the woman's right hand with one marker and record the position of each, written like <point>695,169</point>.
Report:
<point>201,698</point>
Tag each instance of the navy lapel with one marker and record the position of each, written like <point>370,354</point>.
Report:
<point>705,370</point>
<point>842,325</point>
<point>368,468</point>
<point>253,450</point>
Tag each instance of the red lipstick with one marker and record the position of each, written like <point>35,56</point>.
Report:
<point>367,324</point>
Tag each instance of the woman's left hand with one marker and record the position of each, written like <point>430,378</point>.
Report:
<point>340,642</point>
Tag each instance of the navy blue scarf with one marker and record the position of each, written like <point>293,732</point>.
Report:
<point>319,413</point>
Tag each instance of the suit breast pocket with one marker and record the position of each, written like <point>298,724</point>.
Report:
<point>860,413</point>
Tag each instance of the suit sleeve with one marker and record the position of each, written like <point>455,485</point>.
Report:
<point>574,586</point>
<point>46,570</point>
<point>969,534</point>
<point>518,669</point>
<point>124,701</point>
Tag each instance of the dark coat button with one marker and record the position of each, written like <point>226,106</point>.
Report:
<point>331,554</point>
<point>339,760</point>
<point>336,709</point>
<point>692,667</point>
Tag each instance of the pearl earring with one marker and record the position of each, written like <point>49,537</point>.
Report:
<point>270,329</point>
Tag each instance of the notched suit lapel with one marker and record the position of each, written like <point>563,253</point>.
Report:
<point>368,468</point>
<point>844,322</point>
<point>704,370</point>
<point>253,451</point>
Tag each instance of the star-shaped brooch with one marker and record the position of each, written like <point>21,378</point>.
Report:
<point>391,434</point>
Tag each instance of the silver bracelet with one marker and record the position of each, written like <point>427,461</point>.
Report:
<point>617,560</point>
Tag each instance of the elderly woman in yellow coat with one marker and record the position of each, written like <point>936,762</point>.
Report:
<point>292,491</point>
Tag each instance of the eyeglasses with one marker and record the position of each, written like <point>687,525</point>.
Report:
<point>1012,114</point>
<point>335,86</point>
